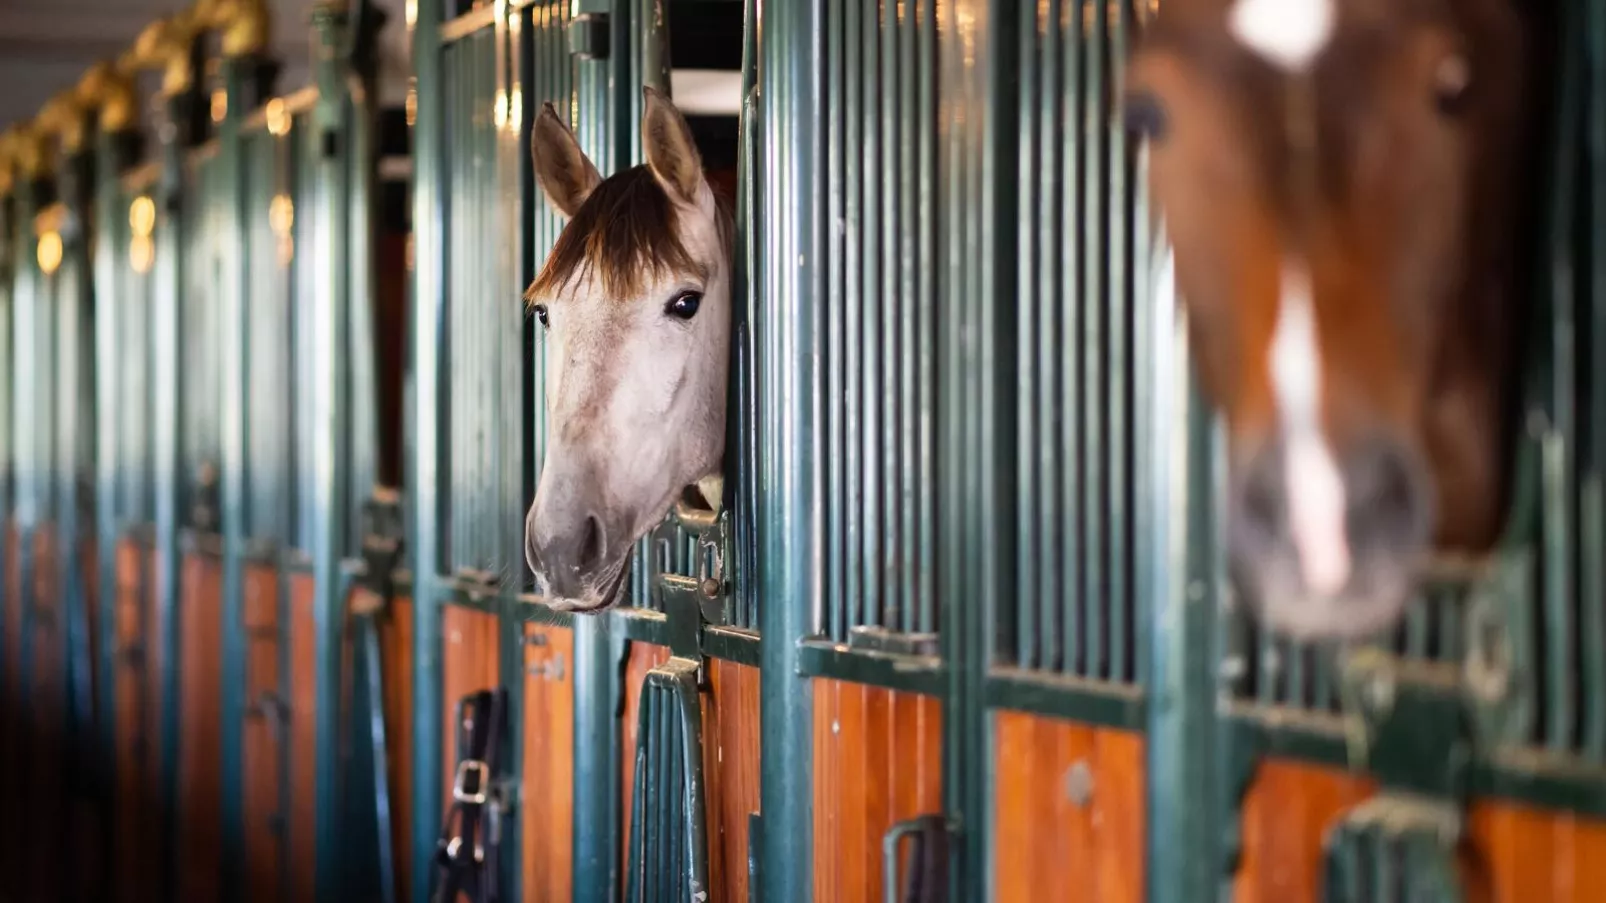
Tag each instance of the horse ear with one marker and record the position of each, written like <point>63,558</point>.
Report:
<point>671,152</point>
<point>565,173</point>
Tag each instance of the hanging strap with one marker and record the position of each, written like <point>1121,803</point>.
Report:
<point>468,847</point>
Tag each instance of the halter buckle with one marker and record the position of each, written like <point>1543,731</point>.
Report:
<point>481,786</point>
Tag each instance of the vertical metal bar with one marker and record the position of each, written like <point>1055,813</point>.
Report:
<point>26,410</point>
<point>977,380</point>
<point>1057,601</point>
<point>874,296</point>
<point>606,135</point>
<point>1122,221</point>
<point>836,313</point>
<point>1559,444</point>
<point>858,384</point>
<point>893,302</point>
<point>1095,173</point>
<point>791,46</point>
<point>74,304</point>
<point>925,376</point>
<point>426,464</point>
<point>910,480</point>
<point>1073,300</point>
<point>332,427</point>
<point>896,325</point>
<point>1030,555</point>
<point>513,402</point>
<point>1181,582</point>
<point>236,363</point>
<point>1592,579</point>
<point>112,347</point>
<point>170,438</point>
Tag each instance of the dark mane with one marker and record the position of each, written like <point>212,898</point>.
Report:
<point>626,230</point>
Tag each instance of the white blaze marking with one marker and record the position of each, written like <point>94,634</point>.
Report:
<point>1288,33</point>
<point>1315,488</point>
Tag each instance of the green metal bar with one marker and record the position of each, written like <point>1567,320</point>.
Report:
<point>169,336</point>
<point>74,405</point>
<point>333,120</point>
<point>910,674</point>
<point>233,290</point>
<point>976,386</point>
<point>427,441</point>
<point>1592,580</point>
<point>604,95</point>
<point>30,341</point>
<point>512,152</point>
<point>1109,703</point>
<point>111,341</point>
<point>789,529</point>
<point>1183,585</point>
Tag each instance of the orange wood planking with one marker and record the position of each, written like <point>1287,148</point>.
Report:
<point>877,761</point>
<point>1046,836</point>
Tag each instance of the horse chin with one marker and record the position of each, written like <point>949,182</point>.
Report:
<point>1370,604</point>
<point>598,594</point>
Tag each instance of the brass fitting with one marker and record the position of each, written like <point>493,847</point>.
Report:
<point>63,118</point>
<point>109,89</point>
<point>30,150</point>
<point>244,25</point>
<point>164,44</point>
<point>8,140</point>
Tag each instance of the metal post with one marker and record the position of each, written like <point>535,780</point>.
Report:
<point>605,133</point>
<point>111,226</point>
<point>27,341</point>
<point>169,465</point>
<point>1181,584</point>
<point>236,364</point>
<point>790,512</point>
<point>426,439</point>
<point>331,425</point>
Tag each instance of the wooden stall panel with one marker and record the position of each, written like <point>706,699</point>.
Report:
<point>548,735</point>
<point>396,653</point>
<point>470,661</point>
<point>303,735</point>
<point>200,708</point>
<point>1068,811</point>
<point>731,771</point>
<point>877,761</point>
<point>137,851</point>
<point>263,749</point>
<point>1514,854</point>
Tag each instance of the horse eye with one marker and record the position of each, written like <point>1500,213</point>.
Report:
<point>1451,80</point>
<point>540,314</point>
<point>1144,116</point>
<point>684,306</point>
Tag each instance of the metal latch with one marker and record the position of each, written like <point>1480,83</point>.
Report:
<point>1409,723</point>
<point>927,881</point>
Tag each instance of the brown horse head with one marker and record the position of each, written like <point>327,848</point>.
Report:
<point>1342,183</point>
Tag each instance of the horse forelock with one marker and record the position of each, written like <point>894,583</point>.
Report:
<point>627,232</point>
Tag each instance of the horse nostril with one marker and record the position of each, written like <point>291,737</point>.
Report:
<point>1261,502</point>
<point>591,542</point>
<point>1387,504</point>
